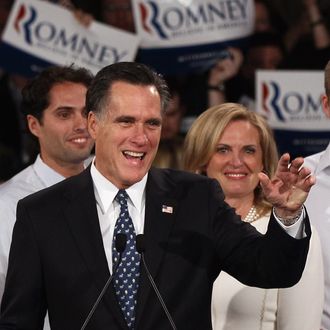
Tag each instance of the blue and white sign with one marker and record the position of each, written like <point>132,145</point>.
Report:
<point>291,102</point>
<point>187,35</point>
<point>34,28</point>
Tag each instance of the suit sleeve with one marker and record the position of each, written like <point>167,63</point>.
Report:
<point>23,305</point>
<point>273,260</point>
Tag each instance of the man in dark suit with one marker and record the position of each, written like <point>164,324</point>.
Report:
<point>62,247</point>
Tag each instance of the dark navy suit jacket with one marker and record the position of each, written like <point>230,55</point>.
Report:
<point>57,259</point>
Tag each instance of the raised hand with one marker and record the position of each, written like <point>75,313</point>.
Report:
<point>226,68</point>
<point>289,188</point>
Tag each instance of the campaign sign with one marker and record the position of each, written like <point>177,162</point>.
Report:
<point>291,102</point>
<point>190,35</point>
<point>34,28</point>
<point>14,60</point>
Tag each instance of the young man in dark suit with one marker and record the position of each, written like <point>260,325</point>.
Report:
<point>63,251</point>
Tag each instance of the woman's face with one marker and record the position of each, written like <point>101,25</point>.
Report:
<point>237,159</point>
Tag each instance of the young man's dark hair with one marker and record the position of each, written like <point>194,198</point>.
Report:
<point>36,92</point>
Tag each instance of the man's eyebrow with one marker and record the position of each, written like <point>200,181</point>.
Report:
<point>64,107</point>
<point>154,120</point>
<point>124,118</point>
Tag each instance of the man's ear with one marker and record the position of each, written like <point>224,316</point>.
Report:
<point>325,105</point>
<point>34,125</point>
<point>92,124</point>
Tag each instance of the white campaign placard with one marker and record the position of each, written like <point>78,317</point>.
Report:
<point>291,100</point>
<point>164,23</point>
<point>51,32</point>
<point>190,35</point>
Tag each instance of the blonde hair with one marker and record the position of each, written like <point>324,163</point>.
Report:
<point>203,136</point>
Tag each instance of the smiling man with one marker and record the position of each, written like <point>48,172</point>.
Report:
<point>129,138</point>
<point>67,234</point>
<point>54,105</point>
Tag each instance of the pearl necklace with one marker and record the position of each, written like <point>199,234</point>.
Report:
<point>252,215</point>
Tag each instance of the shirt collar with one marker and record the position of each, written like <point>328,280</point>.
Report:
<point>106,191</point>
<point>324,160</point>
<point>46,174</point>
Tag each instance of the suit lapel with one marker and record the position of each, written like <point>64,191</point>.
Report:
<point>159,218</point>
<point>82,217</point>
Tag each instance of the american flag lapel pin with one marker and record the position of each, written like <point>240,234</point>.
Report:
<point>167,209</point>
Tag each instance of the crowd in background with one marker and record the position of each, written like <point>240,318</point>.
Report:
<point>291,35</point>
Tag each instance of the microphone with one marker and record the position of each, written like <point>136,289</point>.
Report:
<point>120,247</point>
<point>140,247</point>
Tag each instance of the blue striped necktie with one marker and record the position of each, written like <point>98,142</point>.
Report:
<point>126,278</point>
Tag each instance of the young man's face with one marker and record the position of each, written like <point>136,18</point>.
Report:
<point>127,137</point>
<point>62,132</point>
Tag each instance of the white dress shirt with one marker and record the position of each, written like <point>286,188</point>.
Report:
<point>108,208</point>
<point>32,179</point>
<point>318,208</point>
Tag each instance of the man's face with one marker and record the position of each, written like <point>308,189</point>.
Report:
<point>127,136</point>
<point>62,131</point>
<point>263,57</point>
<point>172,119</point>
<point>262,20</point>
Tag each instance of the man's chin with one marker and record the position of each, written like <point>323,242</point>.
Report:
<point>134,178</point>
<point>77,158</point>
